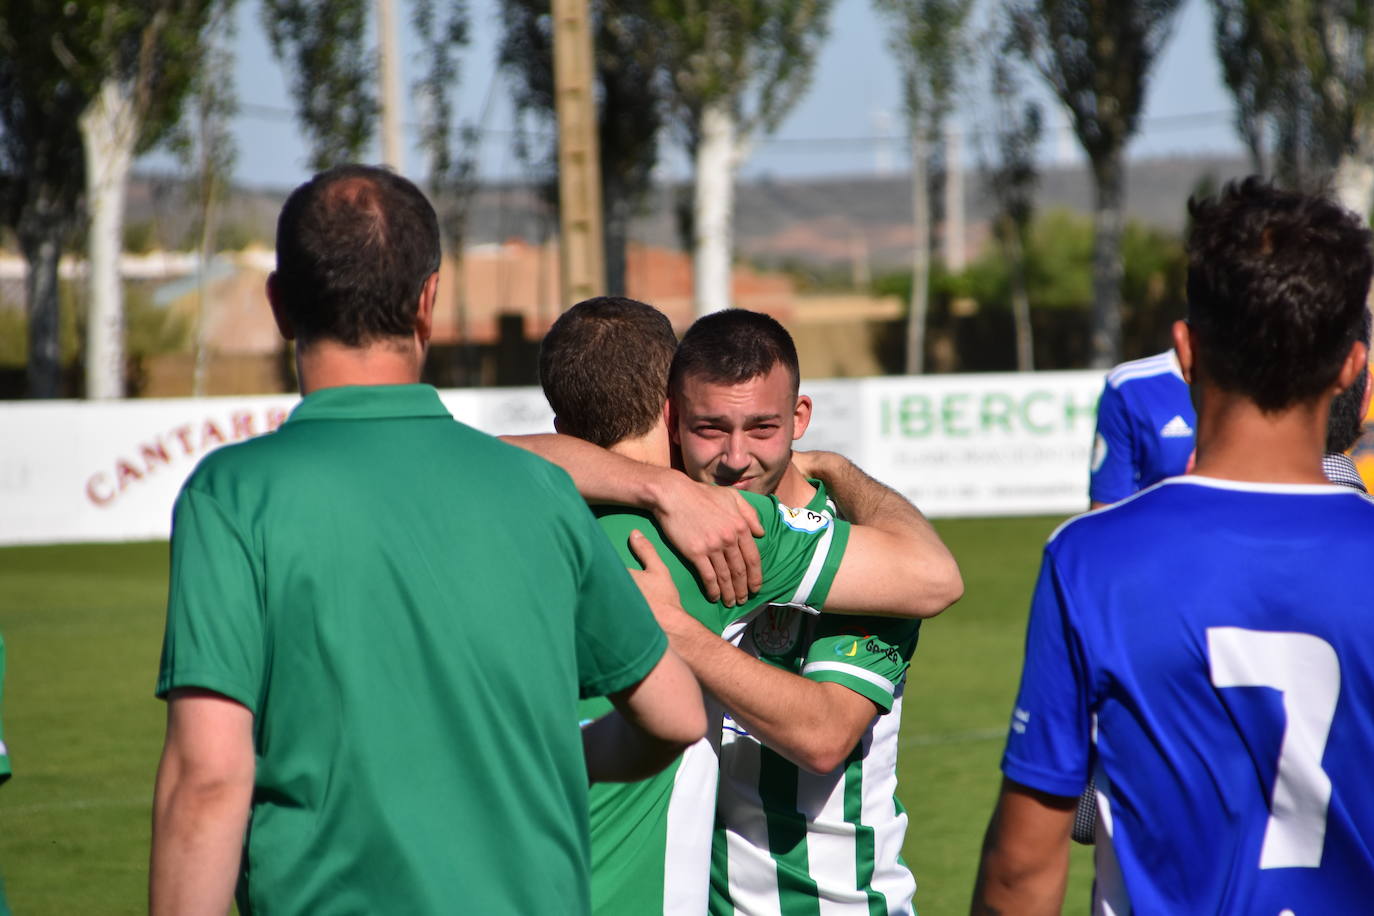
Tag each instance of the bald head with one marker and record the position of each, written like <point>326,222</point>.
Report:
<point>355,245</point>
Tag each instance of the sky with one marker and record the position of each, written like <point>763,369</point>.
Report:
<point>848,121</point>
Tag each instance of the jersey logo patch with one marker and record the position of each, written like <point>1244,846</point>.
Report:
<point>1099,452</point>
<point>850,652</point>
<point>775,631</point>
<point>1019,720</point>
<point>802,519</point>
<point>1177,428</point>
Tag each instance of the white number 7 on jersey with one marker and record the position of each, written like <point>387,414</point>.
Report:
<point>1305,670</point>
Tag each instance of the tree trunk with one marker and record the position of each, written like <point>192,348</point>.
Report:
<point>1020,300</point>
<point>1108,216</point>
<point>1354,178</point>
<point>109,131</point>
<point>40,238</point>
<point>920,257</point>
<point>713,209</point>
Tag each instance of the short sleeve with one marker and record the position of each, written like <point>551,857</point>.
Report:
<point>1049,744</point>
<point>800,553</point>
<point>868,655</point>
<point>214,637</point>
<point>1113,473</point>
<point>618,639</point>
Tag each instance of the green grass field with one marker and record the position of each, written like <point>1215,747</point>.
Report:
<point>83,628</point>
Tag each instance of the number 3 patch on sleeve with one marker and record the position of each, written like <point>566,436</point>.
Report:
<point>803,519</point>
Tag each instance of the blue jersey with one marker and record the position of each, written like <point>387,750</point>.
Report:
<point>1206,649</point>
<point>1145,427</point>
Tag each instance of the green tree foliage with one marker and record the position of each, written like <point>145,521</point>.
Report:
<point>1059,259</point>
<point>54,59</point>
<point>733,69</point>
<point>756,54</point>
<point>930,41</point>
<point>1302,75</point>
<point>630,105</point>
<point>42,172</point>
<point>1096,55</point>
<point>1011,179</point>
<point>443,28</point>
<point>322,44</point>
<point>139,59</point>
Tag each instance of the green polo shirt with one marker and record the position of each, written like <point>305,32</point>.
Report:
<point>411,610</point>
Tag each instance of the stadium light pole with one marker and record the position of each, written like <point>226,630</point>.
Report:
<point>582,252</point>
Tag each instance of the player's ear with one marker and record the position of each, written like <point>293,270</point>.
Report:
<point>424,308</point>
<point>278,311</point>
<point>1356,361</point>
<point>557,426</point>
<point>801,417</point>
<point>1183,346</point>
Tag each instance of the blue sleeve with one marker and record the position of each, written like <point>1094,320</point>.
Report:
<point>1114,473</point>
<point>1049,746</point>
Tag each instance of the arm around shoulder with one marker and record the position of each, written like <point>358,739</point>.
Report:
<point>895,564</point>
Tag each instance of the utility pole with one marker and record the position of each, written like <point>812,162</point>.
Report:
<point>581,247</point>
<point>393,153</point>
<point>955,257</point>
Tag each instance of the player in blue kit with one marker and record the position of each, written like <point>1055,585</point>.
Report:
<point>1145,423</point>
<point>1206,648</point>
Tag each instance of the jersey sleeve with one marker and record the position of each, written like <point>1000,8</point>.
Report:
<point>1113,473</point>
<point>800,553</point>
<point>618,639</point>
<point>1049,744</point>
<point>869,655</point>
<point>214,634</point>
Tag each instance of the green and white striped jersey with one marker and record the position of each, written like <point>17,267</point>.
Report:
<point>790,842</point>
<point>651,840</point>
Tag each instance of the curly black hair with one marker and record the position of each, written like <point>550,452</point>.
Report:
<point>1277,282</point>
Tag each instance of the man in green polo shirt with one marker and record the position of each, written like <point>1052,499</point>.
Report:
<point>604,368</point>
<point>380,623</point>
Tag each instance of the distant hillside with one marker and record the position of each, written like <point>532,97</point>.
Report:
<point>821,221</point>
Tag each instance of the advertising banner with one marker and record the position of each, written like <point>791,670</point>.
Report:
<point>1008,444</point>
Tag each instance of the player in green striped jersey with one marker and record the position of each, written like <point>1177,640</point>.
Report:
<point>651,839</point>
<point>807,818</point>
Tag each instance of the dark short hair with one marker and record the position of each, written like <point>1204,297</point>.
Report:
<point>1346,422</point>
<point>355,245</point>
<point>604,368</point>
<point>1276,290</point>
<point>733,346</point>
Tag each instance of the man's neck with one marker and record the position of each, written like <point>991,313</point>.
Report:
<point>794,489</point>
<point>1238,441</point>
<point>653,447</point>
<point>329,364</point>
